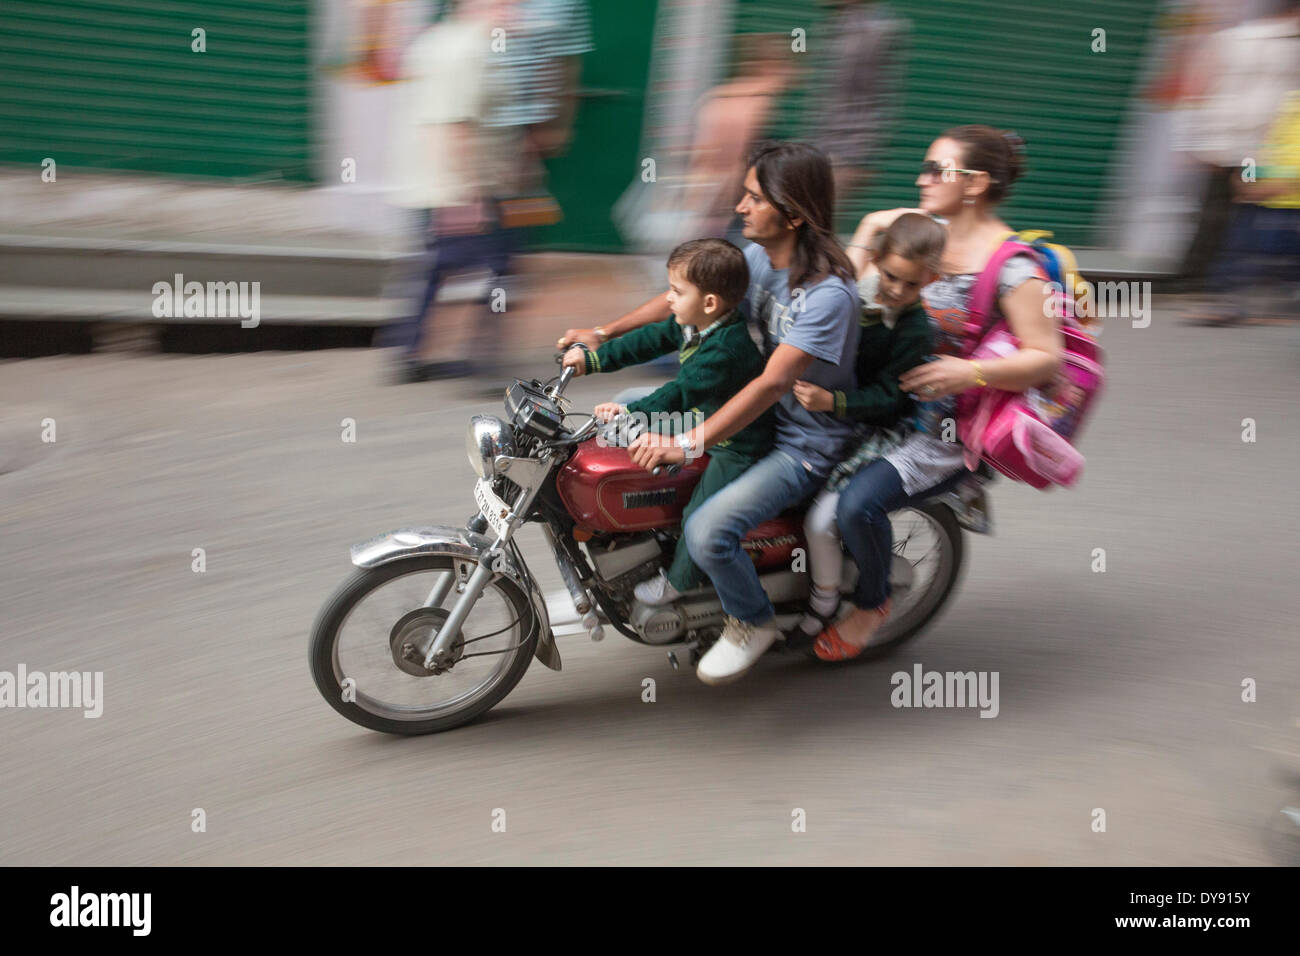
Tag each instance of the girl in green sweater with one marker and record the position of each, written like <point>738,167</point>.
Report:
<point>895,337</point>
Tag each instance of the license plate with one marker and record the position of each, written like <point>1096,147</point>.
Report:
<point>492,507</point>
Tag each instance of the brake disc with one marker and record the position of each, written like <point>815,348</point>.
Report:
<point>412,637</point>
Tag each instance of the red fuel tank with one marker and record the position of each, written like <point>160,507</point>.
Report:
<point>604,490</point>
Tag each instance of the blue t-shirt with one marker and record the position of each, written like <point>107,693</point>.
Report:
<point>826,327</point>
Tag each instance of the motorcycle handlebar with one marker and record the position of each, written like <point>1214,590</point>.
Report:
<point>567,372</point>
<point>565,376</point>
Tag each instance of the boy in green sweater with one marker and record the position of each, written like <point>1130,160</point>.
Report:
<point>707,280</point>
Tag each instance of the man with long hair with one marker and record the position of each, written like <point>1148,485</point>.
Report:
<point>802,307</point>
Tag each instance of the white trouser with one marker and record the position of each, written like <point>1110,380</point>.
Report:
<point>825,559</point>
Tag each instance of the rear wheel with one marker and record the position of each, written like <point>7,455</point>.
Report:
<point>367,645</point>
<point>927,560</point>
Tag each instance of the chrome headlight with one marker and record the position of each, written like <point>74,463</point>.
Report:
<point>488,437</point>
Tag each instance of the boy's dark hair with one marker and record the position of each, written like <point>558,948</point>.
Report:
<point>796,179</point>
<point>915,237</point>
<point>713,266</point>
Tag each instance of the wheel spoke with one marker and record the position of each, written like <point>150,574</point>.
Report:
<point>926,551</point>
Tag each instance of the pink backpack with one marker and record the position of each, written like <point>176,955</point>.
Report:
<point>1027,436</point>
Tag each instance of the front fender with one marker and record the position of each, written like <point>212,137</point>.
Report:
<point>468,546</point>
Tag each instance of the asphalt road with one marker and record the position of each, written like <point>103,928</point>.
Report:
<point>1119,690</point>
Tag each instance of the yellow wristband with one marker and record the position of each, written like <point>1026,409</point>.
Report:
<point>980,381</point>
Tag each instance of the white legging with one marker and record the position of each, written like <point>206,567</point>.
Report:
<point>825,559</point>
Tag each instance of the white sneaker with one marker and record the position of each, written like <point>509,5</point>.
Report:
<point>736,651</point>
<point>656,591</point>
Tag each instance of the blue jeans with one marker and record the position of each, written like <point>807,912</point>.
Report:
<point>713,533</point>
<point>447,256</point>
<point>1261,244</point>
<point>863,517</point>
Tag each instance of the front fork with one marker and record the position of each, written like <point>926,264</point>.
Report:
<point>439,592</point>
<point>440,654</point>
<point>582,602</point>
<point>495,560</point>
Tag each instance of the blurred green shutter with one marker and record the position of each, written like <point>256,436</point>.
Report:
<point>1017,64</point>
<point>113,84</point>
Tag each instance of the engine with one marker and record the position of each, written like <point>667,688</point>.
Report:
<point>621,561</point>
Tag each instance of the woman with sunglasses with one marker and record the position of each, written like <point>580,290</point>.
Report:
<point>967,172</point>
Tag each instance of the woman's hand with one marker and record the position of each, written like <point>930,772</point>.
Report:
<point>813,397</point>
<point>587,337</point>
<point>946,375</point>
<point>575,359</point>
<point>606,411</point>
<point>652,449</point>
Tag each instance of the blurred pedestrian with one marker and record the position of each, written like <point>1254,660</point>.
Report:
<point>1251,67</point>
<point>539,57</point>
<point>540,60</point>
<point>731,118</point>
<point>857,94</point>
<point>1263,240</point>
<point>453,170</point>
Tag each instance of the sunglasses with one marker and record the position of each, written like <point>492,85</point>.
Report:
<point>930,169</point>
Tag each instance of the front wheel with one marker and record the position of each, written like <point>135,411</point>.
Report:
<point>366,647</point>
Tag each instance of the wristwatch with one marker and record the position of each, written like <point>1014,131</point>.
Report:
<point>683,441</point>
<point>601,334</point>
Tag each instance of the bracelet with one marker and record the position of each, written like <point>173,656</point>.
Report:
<point>858,245</point>
<point>601,334</point>
<point>980,380</point>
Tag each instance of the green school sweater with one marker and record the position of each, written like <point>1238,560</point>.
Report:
<point>883,355</point>
<point>713,370</point>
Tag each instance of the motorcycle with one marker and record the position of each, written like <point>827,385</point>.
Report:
<point>394,648</point>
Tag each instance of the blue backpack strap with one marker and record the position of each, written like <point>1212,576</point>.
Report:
<point>1037,240</point>
<point>1052,263</point>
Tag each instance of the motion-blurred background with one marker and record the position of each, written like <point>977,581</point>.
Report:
<point>380,168</point>
<point>237,139</point>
